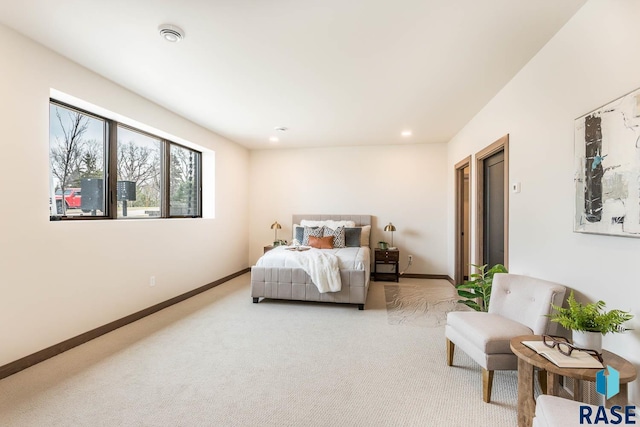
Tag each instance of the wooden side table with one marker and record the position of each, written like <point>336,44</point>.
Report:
<point>386,257</point>
<point>528,359</point>
<point>267,248</point>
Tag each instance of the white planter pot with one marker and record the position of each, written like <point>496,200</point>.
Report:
<point>590,340</point>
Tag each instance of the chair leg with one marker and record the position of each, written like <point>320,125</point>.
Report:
<point>450,349</point>
<point>487,383</point>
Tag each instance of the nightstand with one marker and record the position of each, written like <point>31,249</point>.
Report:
<point>386,257</point>
<point>268,248</point>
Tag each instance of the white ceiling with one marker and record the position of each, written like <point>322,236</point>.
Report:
<point>335,72</point>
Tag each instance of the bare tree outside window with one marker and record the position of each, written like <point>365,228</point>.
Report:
<point>139,160</point>
<point>66,153</point>
<point>76,151</point>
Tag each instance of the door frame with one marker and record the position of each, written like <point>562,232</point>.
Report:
<point>501,144</point>
<point>458,273</point>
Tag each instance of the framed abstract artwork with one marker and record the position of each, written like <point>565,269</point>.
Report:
<point>607,168</point>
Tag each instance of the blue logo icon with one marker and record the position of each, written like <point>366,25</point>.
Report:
<point>608,383</point>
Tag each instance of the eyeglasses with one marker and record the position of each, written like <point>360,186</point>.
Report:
<point>565,347</point>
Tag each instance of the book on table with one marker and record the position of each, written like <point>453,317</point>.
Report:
<point>578,359</point>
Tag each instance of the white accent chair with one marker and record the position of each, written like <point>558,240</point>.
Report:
<point>552,411</point>
<point>517,306</point>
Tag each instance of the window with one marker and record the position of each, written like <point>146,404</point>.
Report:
<point>109,170</point>
<point>139,174</point>
<point>77,144</point>
<point>184,181</point>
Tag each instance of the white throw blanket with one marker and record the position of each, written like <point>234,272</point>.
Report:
<point>322,267</point>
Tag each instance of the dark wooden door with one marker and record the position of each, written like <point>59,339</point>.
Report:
<point>494,176</point>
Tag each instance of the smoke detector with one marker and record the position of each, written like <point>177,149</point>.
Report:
<point>281,128</point>
<point>171,33</point>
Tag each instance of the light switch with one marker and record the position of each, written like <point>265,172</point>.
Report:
<point>515,187</point>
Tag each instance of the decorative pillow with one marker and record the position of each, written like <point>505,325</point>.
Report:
<point>321,242</point>
<point>352,237</point>
<point>338,236</point>
<point>298,232</point>
<point>311,231</point>
<point>295,232</point>
<point>364,235</point>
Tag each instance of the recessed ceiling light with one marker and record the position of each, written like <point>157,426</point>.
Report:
<point>281,128</point>
<point>274,139</point>
<point>406,133</point>
<point>171,33</point>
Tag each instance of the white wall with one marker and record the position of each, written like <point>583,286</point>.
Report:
<point>403,184</point>
<point>60,279</point>
<point>591,61</point>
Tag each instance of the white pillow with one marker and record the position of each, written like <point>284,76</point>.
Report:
<point>364,235</point>
<point>328,222</point>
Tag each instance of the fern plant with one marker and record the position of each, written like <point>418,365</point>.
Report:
<point>477,290</point>
<point>590,317</point>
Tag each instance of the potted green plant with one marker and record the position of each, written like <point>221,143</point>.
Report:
<point>589,322</point>
<point>477,290</point>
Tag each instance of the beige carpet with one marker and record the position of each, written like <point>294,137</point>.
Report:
<point>220,360</point>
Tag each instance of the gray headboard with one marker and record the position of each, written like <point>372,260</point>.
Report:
<point>359,219</point>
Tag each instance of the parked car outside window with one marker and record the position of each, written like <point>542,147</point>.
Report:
<point>72,198</point>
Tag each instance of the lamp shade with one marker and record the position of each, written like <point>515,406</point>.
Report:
<point>276,226</point>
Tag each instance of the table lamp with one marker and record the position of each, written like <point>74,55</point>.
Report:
<point>390,227</point>
<point>275,226</point>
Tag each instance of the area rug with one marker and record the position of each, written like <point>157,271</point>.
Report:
<point>419,304</point>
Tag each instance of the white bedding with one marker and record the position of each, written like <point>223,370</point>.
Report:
<point>322,265</point>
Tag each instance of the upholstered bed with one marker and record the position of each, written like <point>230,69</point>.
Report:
<point>278,275</point>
